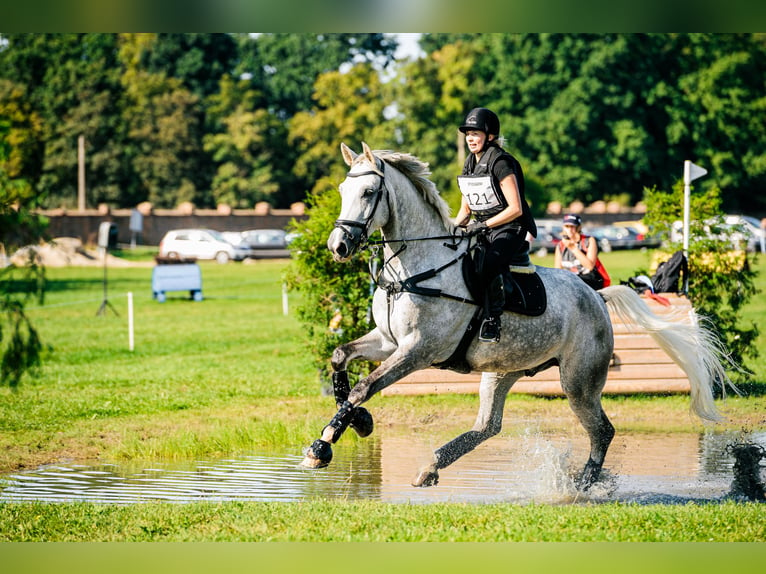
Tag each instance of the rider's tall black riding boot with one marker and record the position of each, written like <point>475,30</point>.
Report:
<point>494,298</point>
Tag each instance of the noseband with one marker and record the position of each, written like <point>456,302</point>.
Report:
<point>346,225</point>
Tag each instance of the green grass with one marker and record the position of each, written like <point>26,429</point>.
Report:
<point>366,521</point>
<point>231,374</point>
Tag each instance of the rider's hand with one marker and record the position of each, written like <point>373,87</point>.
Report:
<point>475,227</point>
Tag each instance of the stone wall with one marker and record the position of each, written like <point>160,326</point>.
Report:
<point>84,224</point>
<point>156,222</point>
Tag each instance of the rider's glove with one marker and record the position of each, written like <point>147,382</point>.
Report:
<point>475,227</point>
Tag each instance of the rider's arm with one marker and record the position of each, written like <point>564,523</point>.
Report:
<point>510,189</point>
<point>463,214</point>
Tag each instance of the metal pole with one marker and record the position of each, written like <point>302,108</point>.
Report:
<point>687,209</point>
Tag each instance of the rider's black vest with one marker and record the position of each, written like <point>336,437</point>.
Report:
<point>484,167</point>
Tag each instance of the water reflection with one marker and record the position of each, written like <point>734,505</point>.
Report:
<point>520,467</point>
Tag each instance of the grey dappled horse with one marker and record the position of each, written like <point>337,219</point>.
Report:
<point>391,192</point>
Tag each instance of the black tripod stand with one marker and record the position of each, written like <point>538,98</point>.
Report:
<point>105,303</point>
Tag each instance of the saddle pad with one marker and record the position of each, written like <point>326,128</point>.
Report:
<point>524,292</point>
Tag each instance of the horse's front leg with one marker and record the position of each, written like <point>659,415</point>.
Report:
<point>493,390</point>
<point>391,370</point>
<point>372,347</point>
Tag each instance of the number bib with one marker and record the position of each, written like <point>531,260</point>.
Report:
<point>479,193</point>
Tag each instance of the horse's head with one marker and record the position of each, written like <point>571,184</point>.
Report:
<point>363,209</point>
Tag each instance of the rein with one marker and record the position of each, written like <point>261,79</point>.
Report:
<point>409,285</point>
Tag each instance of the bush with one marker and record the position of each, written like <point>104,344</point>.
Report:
<point>721,280</point>
<point>330,291</point>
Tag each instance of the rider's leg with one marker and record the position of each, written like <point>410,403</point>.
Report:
<point>494,299</point>
<point>502,247</point>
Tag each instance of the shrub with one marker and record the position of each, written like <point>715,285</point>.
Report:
<point>721,279</point>
<point>330,291</point>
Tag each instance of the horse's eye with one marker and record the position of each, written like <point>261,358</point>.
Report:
<point>369,192</point>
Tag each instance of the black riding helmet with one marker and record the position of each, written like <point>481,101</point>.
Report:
<point>483,120</point>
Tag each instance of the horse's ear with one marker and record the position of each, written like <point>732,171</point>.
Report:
<point>348,155</point>
<point>368,154</point>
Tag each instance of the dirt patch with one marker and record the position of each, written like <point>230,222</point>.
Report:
<point>64,252</point>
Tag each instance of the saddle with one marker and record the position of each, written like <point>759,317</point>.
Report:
<point>524,290</point>
<point>524,294</point>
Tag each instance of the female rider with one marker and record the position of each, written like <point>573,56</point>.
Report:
<point>492,188</point>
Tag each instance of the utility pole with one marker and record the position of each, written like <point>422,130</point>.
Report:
<point>81,173</point>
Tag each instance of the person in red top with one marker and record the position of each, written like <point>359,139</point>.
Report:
<point>577,252</point>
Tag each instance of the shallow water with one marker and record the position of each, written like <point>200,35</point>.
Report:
<point>518,466</point>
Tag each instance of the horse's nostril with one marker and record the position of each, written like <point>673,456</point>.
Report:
<point>342,250</point>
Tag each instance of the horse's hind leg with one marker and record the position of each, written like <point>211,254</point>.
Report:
<point>493,390</point>
<point>585,400</point>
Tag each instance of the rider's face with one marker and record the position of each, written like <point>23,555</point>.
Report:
<point>475,140</point>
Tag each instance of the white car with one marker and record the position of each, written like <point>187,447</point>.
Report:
<point>742,231</point>
<point>199,244</point>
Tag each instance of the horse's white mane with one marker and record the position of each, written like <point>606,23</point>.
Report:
<point>418,173</point>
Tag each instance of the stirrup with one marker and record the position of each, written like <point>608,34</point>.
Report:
<point>490,330</point>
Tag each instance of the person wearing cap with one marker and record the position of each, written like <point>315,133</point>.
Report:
<point>492,188</point>
<point>576,252</point>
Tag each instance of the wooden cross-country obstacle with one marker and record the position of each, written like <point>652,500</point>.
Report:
<point>638,365</point>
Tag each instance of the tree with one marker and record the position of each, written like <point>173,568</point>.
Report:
<point>432,96</point>
<point>721,281</point>
<point>165,134</point>
<point>198,60</point>
<point>349,107</point>
<point>328,291</point>
<point>71,83</point>
<point>242,149</point>
<point>20,344</point>
<point>286,66</point>
<point>716,115</point>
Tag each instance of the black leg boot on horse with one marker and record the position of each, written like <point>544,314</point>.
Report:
<point>319,453</point>
<point>494,299</point>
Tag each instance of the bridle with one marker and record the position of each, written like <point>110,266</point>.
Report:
<point>347,225</point>
<point>411,284</point>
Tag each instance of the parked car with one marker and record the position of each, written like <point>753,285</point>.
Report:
<point>262,243</point>
<point>265,238</point>
<point>611,237</point>
<point>742,231</point>
<point>548,236</point>
<point>199,244</point>
<point>746,230</point>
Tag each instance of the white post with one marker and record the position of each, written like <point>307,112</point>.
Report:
<point>130,320</point>
<point>687,208</point>
<point>284,299</point>
<point>691,172</point>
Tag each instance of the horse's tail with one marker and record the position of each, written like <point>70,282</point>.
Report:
<point>687,340</point>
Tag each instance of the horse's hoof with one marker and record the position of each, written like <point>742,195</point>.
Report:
<point>362,422</point>
<point>426,478</point>
<point>318,455</point>
<point>589,475</point>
